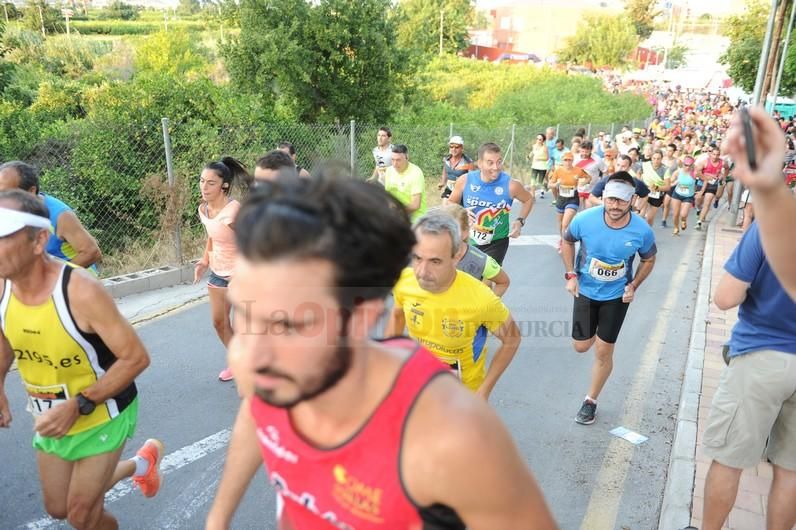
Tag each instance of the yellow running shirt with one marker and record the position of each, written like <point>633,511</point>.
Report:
<point>55,358</point>
<point>452,325</point>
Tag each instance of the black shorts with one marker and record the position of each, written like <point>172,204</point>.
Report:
<point>603,318</point>
<point>446,192</point>
<point>538,175</point>
<point>496,249</point>
<point>652,201</point>
<point>562,203</point>
<point>712,188</point>
<point>676,196</point>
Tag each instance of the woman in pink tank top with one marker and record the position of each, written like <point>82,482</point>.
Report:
<point>217,212</point>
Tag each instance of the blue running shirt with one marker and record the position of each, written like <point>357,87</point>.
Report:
<point>605,261</point>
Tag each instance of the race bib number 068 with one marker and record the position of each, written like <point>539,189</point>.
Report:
<point>606,272</point>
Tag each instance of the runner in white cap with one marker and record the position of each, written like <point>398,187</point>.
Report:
<point>602,279</point>
<point>454,165</point>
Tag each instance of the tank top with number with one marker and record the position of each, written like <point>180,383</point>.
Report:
<point>357,484</point>
<point>712,171</point>
<point>55,358</point>
<point>490,203</point>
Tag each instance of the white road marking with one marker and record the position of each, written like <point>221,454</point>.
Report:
<point>607,492</point>
<point>550,240</point>
<point>171,462</point>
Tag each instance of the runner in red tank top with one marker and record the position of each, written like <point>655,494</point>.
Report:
<point>712,172</point>
<point>355,433</point>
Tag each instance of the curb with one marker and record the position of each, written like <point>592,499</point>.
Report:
<point>678,493</point>
<point>148,280</point>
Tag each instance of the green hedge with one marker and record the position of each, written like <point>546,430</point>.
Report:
<point>120,27</point>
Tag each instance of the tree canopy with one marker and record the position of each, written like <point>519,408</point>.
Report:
<point>419,24</point>
<point>602,40</point>
<point>642,13</point>
<point>327,60</point>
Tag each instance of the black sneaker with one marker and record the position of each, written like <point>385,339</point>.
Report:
<point>586,413</point>
<point>663,223</point>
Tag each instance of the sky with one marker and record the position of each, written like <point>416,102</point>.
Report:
<point>701,6</point>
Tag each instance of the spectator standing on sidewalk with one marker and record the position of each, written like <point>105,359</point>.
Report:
<point>754,409</point>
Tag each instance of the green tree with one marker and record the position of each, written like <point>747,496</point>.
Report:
<point>676,57</point>
<point>38,13</point>
<point>742,56</point>
<point>119,10</point>
<point>419,21</point>
<point>327,60</point>
<point>602,40</point>
<point>173,53</point>
<point>189,7</point>
<point>642,13</point>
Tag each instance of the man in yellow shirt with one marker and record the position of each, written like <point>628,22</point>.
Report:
<point>405,181</point>
<point>450,312</point>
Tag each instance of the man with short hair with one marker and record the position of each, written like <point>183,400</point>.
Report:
<point>450,312</point>
<point>287,147</point>
<point>69,241</point>
<point>406,182</point>
<point>754,409</point>
<point>382,154</point>
<point>273,165</point>
<point>489,193</point>
<point>592,166</point>
<point>355,433</point>
<point>623,163</point>
<point>78,359</point>
<point>602,279</point>
<point>454,165</point>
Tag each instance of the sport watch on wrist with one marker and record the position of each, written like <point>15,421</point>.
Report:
<point>521,220</point>
<point>570,275</point>
<point>85,405</point>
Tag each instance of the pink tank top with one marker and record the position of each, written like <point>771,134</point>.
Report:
<point>224,251</point>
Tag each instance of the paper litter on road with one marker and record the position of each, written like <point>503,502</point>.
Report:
<point>631,436</point>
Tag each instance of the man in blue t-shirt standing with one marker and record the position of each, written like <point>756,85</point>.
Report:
<point>602,279</point>
<point>756,398</point>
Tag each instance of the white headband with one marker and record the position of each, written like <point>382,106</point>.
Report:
<point>619,190</point>
<point>13,221</point>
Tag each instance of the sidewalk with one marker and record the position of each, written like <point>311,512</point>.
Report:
<point>750,505</point>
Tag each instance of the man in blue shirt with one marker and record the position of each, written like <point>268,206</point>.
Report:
<point>602,280</point>
<point>756,398</point>
<point>70,241</point>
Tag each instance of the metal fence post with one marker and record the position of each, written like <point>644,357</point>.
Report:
<point>557,127</point>
<point>613,125</point>
<point>170,172</point>
<point>511,158</point>
<point>588,133</point>
<point>450,130</point>
<point>353,136</point>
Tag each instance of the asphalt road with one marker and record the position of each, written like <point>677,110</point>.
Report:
<point>592,480</point>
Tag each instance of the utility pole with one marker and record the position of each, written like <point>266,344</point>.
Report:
<point>784,55</point>
<point>41,17</point>
<point>764,53</point>
<point>441,27</point>
<point>771,63</point>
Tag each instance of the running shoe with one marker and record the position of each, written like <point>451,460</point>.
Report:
<point>149,482</point>
<point>698,212</point>
<point>226,375</point>
<point>716,203</point>
<point>541,196</point>
<point>699,225</point>
<point>683,225</point>
<point>663,223</point>
<point>586,413</point>
<point>676,231</point>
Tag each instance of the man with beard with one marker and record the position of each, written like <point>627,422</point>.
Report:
<point>355,433</point>
<point>450,312</point>
<point>602,279</point>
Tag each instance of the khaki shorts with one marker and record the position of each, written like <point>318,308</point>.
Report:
<point>755,401</point>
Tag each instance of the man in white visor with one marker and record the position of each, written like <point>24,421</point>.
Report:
<point>602,279</point>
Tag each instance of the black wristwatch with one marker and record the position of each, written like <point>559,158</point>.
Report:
<point>85,405</point>
<point>521,220</point>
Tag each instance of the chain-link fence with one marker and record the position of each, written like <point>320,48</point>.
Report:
<point>143,211</point>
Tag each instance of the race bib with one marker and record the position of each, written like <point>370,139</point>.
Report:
<point>482,235</point>
<point>685,191</point>
<point>711,182</point>
<point>655,194</point>
<point>43,398</point>
<point>566,191</point>
<point>606,272</point>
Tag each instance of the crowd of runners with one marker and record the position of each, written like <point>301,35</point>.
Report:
<point>358,432</point>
